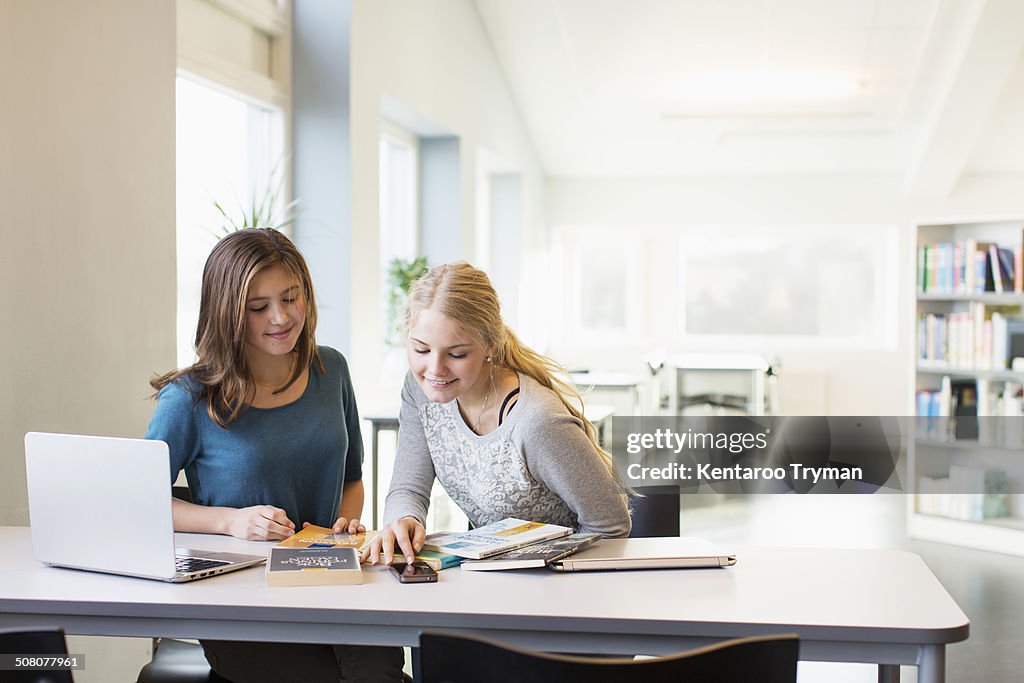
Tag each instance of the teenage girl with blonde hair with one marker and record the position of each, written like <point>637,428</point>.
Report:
<point>265,425</point>
<point>492,420</point>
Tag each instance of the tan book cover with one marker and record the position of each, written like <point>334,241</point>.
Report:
<point>325,538</point>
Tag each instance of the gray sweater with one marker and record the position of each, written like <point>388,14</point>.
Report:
<point>537,465</point>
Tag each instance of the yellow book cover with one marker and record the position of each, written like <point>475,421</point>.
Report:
<point>322,537</point>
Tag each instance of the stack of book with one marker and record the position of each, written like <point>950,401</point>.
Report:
<point>981,410</point>
<point>510,544</point>
<point>977,339</point>
<point>969,267</point>
<point>968,493</point>
<point>317,556</point>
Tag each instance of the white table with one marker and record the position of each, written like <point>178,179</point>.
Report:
<point>879,606</point>
<point>616,382</point>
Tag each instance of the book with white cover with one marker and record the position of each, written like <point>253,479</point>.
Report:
<point>492,539</point>
<point>670,552</point>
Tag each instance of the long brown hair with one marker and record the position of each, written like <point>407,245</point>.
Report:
<point>465,295</point>
<point>221,376</point>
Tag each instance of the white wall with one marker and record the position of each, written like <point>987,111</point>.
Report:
<point>87,263</point>
<point>87,186</point>
<point>433,57</point>
<point>850,381</point>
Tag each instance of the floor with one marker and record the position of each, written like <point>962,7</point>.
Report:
<point>989,587</point>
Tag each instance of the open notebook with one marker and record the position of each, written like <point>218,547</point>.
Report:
<point>104,504</point>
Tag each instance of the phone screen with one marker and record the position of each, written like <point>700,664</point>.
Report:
<point>414,573</point>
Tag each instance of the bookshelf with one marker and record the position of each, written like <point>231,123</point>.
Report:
<point>969,433</point>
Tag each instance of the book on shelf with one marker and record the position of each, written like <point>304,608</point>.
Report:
<point>985,411</point>
<point>933,410</point>
<point>313,566</point>
<point>536,556</point>
<point>980,338</point>
<point>968,266</point>
<point>322,537</point>
<point>967,493</point>
<point>999,271</point>
<point>492,539</point>
<point>964,409</point>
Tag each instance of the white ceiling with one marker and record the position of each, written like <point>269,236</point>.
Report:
<point>601,85</point>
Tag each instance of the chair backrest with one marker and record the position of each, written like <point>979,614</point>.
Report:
<point>34,642</point>
<point>655,511</point>
<point>455,658</point>
<point>181,493</point>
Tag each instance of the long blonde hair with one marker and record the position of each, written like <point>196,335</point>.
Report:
<point>221,374</point>
<point>465,295</point>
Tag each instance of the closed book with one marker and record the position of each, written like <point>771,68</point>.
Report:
<point>313,566</point>
<point>1005,259</point>
<point>322,537</point>
<point>965,408</point>
<point>492,539</point>
<point>538,555</point>
<point>437,561</point>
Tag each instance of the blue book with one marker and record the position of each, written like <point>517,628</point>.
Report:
<point>437,561</point>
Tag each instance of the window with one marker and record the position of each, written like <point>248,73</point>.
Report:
<point>807,283</point>
<point>399,194</point>
<point>233,85</point>
<point>602,285</point>
<point>726,287</point>
<point>399,216</point>
<point>227,150</point>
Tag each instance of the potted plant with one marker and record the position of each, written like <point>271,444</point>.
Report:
<point>264,209</point>
<point>401,274</point>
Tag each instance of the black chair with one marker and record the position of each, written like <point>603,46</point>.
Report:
<point>451,658</point>
<point>655,511</point>
<point>34,642</point>
<point>178,661</point>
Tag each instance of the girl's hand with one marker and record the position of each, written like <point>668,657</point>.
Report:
<point>260,523</point>
<point>407,532</point>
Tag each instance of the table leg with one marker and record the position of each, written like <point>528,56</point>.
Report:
<point>931,664</point>
<point>888,673</point>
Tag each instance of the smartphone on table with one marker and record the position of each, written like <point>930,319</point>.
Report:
<point>414,573</point>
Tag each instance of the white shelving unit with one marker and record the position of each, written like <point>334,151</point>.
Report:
<point>929,457</point>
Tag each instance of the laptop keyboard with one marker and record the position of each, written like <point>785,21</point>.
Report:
<point>195,564</point>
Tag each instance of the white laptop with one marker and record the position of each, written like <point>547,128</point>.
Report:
<point>671,552</point>
<point>104,504</point>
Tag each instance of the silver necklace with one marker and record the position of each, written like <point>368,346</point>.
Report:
<point>483,406</point>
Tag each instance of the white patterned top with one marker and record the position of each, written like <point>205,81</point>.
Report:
<point>537,465</point>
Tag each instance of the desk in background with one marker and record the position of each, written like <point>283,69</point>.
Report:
<point>615,384</point>
<point>731,382</point>
<point>387,421</point>
<point>877,606</point>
